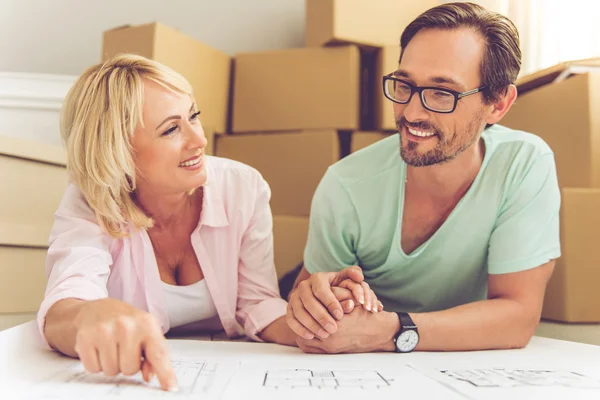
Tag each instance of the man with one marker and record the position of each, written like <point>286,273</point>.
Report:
<point>459,234</point>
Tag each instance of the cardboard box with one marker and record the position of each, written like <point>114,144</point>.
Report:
<point>572,294</point>
<point>368,23</point>
<point>292,163</point>
<point>360,140</point>
<point>208,70</point>
<point>10,320</point>
<point>289,235</point>
<point>316,88</point>
<point>23,278</point>
<point>33,178</point>
<point>210,138</point>
<point>387,62</point>
<point>556,73</point>
<point>565,115</point>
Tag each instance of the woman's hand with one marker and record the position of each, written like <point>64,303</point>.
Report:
<point>114,337</point>
<point>348,291</point>
<point>315,304</point>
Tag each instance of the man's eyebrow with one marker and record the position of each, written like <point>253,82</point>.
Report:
<point>447,80</point>
<point>401,74</point>
<point>436,79</point>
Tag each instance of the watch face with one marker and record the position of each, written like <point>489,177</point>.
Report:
<point>407,341</point>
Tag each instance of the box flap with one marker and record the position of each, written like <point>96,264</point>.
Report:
<point>127,26</point>
<point>116,28</point>
<point>19,234</point>
<point>34,151</point>
<point>557,72</point>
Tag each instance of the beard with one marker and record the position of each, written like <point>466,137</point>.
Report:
<point>448,146</point>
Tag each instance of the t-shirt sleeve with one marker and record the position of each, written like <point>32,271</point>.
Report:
<point>333,228</point>
<point>527,233</point>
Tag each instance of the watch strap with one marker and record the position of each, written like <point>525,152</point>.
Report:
<point>406,323</point>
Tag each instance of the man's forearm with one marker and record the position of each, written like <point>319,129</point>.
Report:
<point>488,324</point>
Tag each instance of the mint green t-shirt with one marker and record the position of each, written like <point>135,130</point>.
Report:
<point>508,221</point>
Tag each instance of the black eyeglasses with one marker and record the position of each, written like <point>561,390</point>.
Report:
<point>434,99</point>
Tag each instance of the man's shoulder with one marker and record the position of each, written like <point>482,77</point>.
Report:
<point>516,143</point>
<point>517,157</point>
<point>367,163</point>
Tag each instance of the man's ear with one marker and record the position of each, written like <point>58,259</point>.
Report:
<point>503,104</point>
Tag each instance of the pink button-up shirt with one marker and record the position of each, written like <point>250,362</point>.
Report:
<point>233,243</point>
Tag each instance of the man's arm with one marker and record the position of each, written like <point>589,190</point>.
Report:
<point>507,319</point>
<point>525,237</point>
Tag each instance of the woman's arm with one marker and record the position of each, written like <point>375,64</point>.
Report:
<point>76,316</point>
<point>78,260</point>
<point>60,329</point>
<point>260,308</point>
<point>112,337</point>
<point>279,332</point>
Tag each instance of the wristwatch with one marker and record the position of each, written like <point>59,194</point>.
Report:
<point>408,337</point>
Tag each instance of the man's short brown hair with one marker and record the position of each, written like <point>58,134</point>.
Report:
<point>501,60</point>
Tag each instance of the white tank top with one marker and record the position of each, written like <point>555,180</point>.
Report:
<point>188,304</point>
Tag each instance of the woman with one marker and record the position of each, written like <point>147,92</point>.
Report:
<point>141,242</point>
<point>152,234</point>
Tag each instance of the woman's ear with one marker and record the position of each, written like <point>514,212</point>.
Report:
<point>502,105</point>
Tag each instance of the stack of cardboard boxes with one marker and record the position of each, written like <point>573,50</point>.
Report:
<point>33,177</point>
<point>296,112</point>
<point>293,113</point>
<point>561,105</point>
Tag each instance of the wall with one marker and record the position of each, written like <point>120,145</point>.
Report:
<point>64,36</point>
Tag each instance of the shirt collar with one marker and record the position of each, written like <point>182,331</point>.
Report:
<point>213,209</point>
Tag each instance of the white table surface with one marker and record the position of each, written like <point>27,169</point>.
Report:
<point>24,359</point>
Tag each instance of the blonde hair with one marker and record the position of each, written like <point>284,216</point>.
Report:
<point>98,119</point>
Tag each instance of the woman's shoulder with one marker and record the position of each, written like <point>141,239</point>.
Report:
<point>229,171</point>
<point>237,185</point>
<point>75,221</point>
<point>74,209</point>
<point>74,202</point>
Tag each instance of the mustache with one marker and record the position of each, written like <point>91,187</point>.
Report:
<point>419,125</point>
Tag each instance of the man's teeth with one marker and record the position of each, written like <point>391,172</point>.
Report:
<point>191,162</point>
<point>419,133</point>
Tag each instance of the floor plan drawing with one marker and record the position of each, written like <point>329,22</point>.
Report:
<point>501,377</point>
<point>194,377</point>
<point>325,379</point>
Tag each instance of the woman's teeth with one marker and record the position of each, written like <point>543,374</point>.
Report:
<point>191,162</point>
